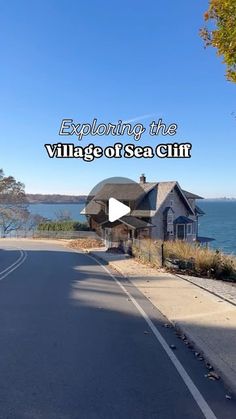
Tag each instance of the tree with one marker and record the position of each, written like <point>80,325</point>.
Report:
<point>34,220</point>
<point>222,13</point>
<point>13,204</point>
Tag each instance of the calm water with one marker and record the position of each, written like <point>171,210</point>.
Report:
<point>218,223</point>
<point>51,210</point>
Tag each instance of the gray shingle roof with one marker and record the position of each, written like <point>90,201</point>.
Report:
<point>163,189</point>
<point>153,199</point>
<point>135,222</point>
<point>199,211</point>
<point>156,197</point>
<point>190,195</point>
<point>92,208</point>
<point>123,191</point>
<point>148,196</point>
<point>204,239</point>
<point>183,220</point>
<point>130,221</point>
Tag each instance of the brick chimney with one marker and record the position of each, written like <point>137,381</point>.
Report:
<point>142,178</point>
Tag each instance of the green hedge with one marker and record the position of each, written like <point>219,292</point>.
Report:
<point>63,226</point>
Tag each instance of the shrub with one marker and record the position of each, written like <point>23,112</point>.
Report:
<point>63,226</point>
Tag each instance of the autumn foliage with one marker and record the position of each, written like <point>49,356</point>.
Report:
<point>220,32</point>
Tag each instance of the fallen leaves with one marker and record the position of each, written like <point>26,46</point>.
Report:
<point>85,243</point>
<point>212,376</point>
<point>173,347</point>
<point>167,325</point>
<point>209,366</point>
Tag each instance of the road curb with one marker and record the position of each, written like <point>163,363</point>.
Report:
<point>205,289</point>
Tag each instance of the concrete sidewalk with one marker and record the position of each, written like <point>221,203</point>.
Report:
<point>207,320</point>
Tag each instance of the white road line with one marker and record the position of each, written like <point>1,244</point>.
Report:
<point>14,263</point>
<point>14,266</point>
<point>198,397</point>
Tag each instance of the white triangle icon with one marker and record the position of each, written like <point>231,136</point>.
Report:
<point>117,209</point>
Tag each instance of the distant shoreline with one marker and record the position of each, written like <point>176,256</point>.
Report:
<point>220,199</point>
<point>56,203</point>
<point>55,199</point>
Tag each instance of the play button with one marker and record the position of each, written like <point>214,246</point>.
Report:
<point>107,204</point>
<point>117,209</point>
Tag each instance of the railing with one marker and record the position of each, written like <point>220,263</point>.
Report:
<point>147,251</point>
<point>37,234</point>
<point>64,234</point>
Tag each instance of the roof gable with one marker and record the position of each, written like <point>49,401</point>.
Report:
<point>163,189</point>
<point>185,200</point>
<point>190,195</point>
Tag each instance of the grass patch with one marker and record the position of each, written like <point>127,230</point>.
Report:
<point>192,258</point>
<point>148,252</point>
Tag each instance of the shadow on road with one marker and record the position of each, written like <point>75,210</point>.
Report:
<point>73,346</point>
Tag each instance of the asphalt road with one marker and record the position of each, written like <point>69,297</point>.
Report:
<point>74,344</point>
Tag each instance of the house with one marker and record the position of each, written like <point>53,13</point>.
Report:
<point>159,210</point>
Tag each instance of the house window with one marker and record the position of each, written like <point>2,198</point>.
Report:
<point>170,218</point>
<point>189,229</point>
<point>171,203</point>
<point>170,226</point>
<point>180,231</point>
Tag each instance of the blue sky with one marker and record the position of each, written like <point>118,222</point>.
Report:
<point>112,60</point>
